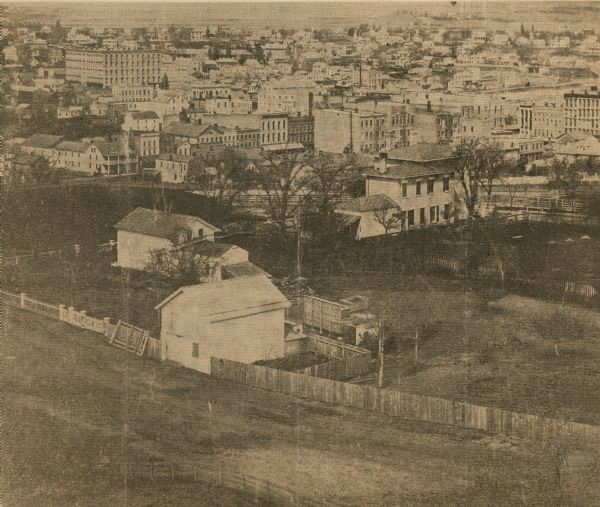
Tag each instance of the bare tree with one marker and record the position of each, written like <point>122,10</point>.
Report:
<point>389,218</point>
<point>285,179</point>
<point>222,175</point>
<point>478,168</point>
<point>567,179</point>
<point>181,264</point>
<point>332,174</point>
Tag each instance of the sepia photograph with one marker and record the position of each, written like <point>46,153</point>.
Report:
<point>308,254</point>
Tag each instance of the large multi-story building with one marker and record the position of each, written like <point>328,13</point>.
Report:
<point>286,96</point>
<point>109,68</point>
<point>542,120</point>
<point>582,111</point>
<point>301,129</point>
<point>338,130</point>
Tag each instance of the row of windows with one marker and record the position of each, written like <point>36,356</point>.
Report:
<point>430,186</point>
<point>271,137</point>
<point>409,216</point>
<point>274,124</point>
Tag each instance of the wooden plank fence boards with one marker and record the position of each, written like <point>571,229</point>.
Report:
<point>123,335</point>
<point>407,405</point>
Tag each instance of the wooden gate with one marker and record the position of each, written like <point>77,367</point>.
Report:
<point>129,337</point>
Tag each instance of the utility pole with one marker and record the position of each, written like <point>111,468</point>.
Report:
<point>298,243</point>
<point>381,335</point>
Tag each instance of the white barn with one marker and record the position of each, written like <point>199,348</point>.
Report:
<point>241,319</point>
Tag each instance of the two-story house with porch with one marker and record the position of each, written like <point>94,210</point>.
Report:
<point>420,181</point>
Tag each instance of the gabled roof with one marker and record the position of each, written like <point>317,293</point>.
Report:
<point>422,153</point>
<point>160,223</point>
<point>243,269</point>
<point>78,146</point>
<point>26,159</point>
<point>407,170</point>
<point>110,148</point>
<point>179,128</point>
<point>369,203</point>
<point>46,141</point>
<point>229,299</point>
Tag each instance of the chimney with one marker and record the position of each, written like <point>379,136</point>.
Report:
<point>381,163</point>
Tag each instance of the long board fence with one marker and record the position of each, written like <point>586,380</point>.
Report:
<point>345,361</point>
<point>405,405</point>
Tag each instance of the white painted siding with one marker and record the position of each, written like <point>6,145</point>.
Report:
<point>133,249</point>
<point>245,339</point>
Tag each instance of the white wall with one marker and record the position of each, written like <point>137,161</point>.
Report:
<point>246,339</point>
<point>133,249</point>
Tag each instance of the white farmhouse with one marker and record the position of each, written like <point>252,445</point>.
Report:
<point>241,319</point>
<point>419,180</point>
<point>144,230</point>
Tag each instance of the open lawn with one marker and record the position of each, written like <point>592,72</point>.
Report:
<point>515,353</point>
<point>75,408</point>
<point>94,286</point>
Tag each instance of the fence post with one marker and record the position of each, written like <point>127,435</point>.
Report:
<point>61,312</point>
<point>23,296</point>
<point>71,313</point>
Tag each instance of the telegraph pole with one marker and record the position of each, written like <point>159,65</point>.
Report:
<point>298,242</point>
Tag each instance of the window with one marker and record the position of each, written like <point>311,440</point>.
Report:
<point>446,211</point>
<point>430,186</point>
<point>411,217</point>
<point>422,219</point>
<point>418,188</point>
<point>195,350</point>
<point>200,233</point>
<point>433,214</point>
<point>446,183</point>
<point>404,189</point>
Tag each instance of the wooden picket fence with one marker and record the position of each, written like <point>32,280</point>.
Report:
<point>406,405</point>
<point>122,334</point>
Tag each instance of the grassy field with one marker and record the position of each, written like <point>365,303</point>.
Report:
<point>74,407</point>
<point>94,286</point>
<point>499,354</point>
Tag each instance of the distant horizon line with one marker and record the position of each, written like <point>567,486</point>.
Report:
<point>17,2</point>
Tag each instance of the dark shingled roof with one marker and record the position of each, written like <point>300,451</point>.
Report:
<point>189,129</point>
<point>26,159</point>
<point>405,170</point>
<point>370,203</point>
<point>46,141</point>
<point>242,269</point>
<point>78,146</point>
<point>144,115</point>
<point>422,153</point>
<point>159,223</point>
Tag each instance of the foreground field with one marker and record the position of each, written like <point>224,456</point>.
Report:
<point>515,353</point>
<point>74,408</point>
